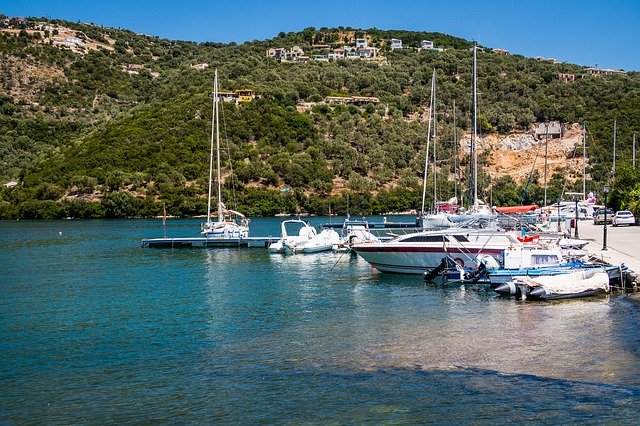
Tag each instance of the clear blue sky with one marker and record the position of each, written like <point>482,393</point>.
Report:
<point>587,32</point>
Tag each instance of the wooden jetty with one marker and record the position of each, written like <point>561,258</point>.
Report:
<point>204,242</point>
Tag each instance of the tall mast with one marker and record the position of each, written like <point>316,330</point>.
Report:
<point>475,127</point>
<point>426,157</point>
<point>213,117</point>
<point>217,104</point>
<point>455,154</point>
<point>435,127</point>
<point>546,153</point>
<point>584,161</point>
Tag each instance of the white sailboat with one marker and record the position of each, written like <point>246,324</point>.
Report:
<point>477,209</point>
<point>434,219</point>
<point>231,225</point>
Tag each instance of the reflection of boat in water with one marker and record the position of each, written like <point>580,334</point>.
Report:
<point>307,240</point>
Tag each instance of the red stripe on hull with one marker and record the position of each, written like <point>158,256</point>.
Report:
<point>365,249</point>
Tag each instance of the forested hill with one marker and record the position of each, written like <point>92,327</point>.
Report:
<point>99,122</point>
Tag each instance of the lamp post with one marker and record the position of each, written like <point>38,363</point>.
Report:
<point>605,189</point>
<point>576,231</point>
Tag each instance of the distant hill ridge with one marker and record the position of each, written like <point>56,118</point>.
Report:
<point>104,122</point>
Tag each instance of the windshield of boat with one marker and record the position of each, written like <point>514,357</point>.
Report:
<point>480,223</point>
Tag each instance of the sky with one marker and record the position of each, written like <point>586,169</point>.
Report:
<point>599,33</point>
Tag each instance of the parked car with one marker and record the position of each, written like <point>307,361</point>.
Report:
<point>598,216</point>
<point>623,217</point>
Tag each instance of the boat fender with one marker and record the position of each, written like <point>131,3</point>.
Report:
<point>537,293</point>
<point>509,289</point>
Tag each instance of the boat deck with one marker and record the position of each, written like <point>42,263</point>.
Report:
<point>203,242</point>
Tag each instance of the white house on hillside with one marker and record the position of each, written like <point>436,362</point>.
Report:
<point>426,44</point>
<point>396,43</point>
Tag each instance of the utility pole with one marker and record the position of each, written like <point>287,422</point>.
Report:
<point>615,130</point>
<point>634,150</point>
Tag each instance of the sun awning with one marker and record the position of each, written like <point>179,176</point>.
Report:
<point>517,209</point>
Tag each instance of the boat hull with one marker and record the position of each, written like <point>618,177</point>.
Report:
<point>417,260</point>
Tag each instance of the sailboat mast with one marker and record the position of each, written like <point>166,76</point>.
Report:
<point>213,117</point>
<point>426,157</point>
<point>584,161</point>
<point>455,154</point>
<point>217,104</point>
<point>435,127</point>
<point>475,127</point>
<point>546,153</point>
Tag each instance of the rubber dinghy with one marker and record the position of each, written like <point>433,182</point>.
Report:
<point>566,286</point>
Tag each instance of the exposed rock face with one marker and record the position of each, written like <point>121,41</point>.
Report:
<point>517,142</point>
<point>519,154</point>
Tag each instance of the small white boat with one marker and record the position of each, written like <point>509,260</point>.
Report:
<point>307,239</point>
<point>355,232</point>
<point>583,283</point>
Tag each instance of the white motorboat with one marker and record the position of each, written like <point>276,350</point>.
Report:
<point>582,283</point>
<point>307,240</point>
<point>423,251</point>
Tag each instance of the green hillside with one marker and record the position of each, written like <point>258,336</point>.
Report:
<point>98,122</point>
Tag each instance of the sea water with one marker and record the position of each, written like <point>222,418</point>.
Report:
<point>95,328</point>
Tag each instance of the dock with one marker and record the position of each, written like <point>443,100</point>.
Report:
<point>204,242</point>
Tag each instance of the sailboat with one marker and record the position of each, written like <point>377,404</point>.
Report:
<point>436,219</point>
<point>231,225</point>
<point>477,209</point>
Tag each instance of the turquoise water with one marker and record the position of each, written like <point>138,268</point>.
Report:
<point>95,328</point>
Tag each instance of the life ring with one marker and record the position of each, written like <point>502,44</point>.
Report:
<point>459,261</point>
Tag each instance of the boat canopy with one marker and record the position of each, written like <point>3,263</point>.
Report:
<point>517,209</point>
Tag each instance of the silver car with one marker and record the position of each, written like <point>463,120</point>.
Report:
<point>623,217</point>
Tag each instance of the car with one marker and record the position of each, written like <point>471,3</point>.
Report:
<point>623,217</point>
<point>598,216</point>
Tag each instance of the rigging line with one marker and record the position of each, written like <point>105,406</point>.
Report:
<point>228,152</point>
<point>535,159</point>
<point>564,185</point>
<point>334,265</point>
<point>483,246</point>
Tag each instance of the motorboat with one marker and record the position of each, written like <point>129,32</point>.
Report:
<point>355,232</point>
<point>579,281</point>
<point>307,240</point>
<point>564,286</point>
<point>421,252</point>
